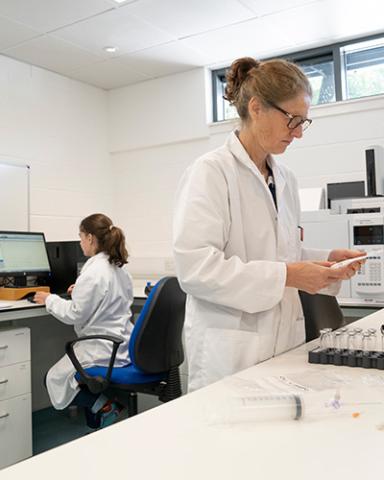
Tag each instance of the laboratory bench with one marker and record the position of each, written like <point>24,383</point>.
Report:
<point>44,339</point>
<point>195,436</point>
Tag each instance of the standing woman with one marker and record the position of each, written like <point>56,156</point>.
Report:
<point>237,243</point>
<point>100,305</point>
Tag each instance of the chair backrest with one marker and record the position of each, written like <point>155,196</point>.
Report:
<point>156,341</point>
<point>320,311</point>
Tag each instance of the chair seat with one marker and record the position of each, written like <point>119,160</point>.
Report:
<point>128,375</point>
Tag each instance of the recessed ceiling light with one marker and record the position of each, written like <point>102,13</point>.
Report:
<point>110,49</point>
<point>119,1</point>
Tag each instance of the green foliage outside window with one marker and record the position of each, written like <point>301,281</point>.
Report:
<point>367,81</point>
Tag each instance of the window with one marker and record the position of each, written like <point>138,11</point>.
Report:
<point>222,110</point>
<point>364,68</point>
<point>320,72</point>
<point>336,72</point>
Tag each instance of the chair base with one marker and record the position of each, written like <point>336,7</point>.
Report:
<point>172,389</point>
<point>166,391</point>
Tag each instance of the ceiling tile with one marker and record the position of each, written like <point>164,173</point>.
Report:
<point>354,19</point>
<point>318,27</point>
<point>118,28</point>
<point>44,16</point>
<point>316,23</point>
<point>166,59</point>
<point>53,54</point>
<point>188,18</point>
<point>12,33</point>
<point>261,8</point>
<point>161,37</point>
<point>255,38</point>
<point>108,74</point>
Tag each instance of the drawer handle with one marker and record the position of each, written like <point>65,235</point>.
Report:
<point>3,381</point>
<point>4,416</point>
<point>3,347</point>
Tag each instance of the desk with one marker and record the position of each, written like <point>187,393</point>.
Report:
<point>48,339</point>
<point>21,309</point>
<point>174,440</point>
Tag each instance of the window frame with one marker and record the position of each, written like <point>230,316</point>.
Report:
<point>332,51</point>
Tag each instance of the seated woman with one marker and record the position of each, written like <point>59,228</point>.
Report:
<point>100,305</point>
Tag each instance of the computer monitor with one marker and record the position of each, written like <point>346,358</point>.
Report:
<point>66,259</point>
<point>23,254</point>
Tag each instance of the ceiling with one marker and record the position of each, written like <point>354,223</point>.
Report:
<point>155,38</point>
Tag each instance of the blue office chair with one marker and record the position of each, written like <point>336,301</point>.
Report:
<point>155,351</point>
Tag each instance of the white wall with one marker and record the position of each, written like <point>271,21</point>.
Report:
<point>332,150</point>
<point>58,127</point>
<point>156,129</point>
<point>159,127</point>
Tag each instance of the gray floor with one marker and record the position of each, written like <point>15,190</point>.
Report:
<point>52,428</point>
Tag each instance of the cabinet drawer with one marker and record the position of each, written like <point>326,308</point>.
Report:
<point>15,430</point>
<point>15,380</point>
<point>14,346</point>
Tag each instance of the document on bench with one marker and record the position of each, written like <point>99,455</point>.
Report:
<point>305,381</point>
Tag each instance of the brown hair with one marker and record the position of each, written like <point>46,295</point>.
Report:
<point>272,81</point>
<point>111,239</point>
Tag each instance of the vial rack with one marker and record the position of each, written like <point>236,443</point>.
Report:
<point>349,358</point>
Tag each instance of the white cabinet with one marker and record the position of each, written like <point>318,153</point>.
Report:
<point>15,396</point>
<point>15,380</point>
<point>14,346</point>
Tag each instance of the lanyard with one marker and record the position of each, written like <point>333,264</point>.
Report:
<point>271,185</point>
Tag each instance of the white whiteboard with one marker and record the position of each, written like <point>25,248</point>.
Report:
<point>14,197</point>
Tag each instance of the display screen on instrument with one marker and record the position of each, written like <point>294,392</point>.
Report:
<point>368,235</point>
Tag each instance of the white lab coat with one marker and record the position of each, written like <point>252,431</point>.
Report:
<point>100,305</point>
<point>231,247</point>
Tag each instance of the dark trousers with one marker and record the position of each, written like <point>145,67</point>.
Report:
<point>85,399</point>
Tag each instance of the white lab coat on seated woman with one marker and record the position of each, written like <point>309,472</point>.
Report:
<point>100,305</point>
<point>231,246</point>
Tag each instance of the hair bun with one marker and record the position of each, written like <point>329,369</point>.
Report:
<point>236,75</point>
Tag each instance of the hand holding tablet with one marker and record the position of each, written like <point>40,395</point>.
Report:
<point>344,263</point>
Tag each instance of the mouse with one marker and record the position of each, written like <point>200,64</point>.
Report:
<point>29,297</point>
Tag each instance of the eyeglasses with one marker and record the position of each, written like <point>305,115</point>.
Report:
<point>294,120</point>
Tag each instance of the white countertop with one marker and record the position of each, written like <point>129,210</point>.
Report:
<point>176,440</point>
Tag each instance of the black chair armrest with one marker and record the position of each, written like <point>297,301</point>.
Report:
<point>95,384</point>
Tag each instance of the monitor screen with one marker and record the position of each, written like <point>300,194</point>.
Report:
<point>23,253</point>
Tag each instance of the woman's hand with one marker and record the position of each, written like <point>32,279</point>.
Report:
<point>70,289</point>
<point>344,254</point>
<point>311,277</point>
<point>40,297</point>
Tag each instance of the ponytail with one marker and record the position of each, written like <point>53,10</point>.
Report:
<point>110,239</point>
